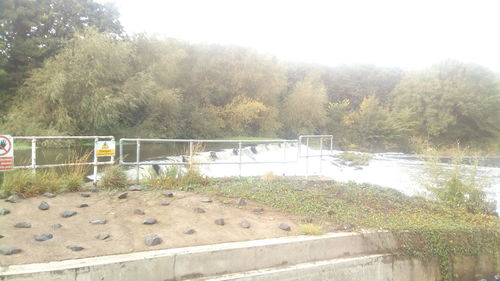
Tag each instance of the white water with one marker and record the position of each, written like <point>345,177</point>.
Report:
<point>394,170</point>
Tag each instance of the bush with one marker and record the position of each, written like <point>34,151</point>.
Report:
<point>114,176</point>
<point>174,176</point>
<point>456,184</point>
<point>26,182</point>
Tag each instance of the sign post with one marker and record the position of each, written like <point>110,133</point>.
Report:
<point>6,153</point>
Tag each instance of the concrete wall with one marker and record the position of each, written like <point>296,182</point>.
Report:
<point>341,256</point>
<point>374,267</point>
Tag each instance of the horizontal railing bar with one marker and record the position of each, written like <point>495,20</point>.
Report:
<point>316,136</point>
<point>62,137</point>
<point>203,163</point>
<point>213,141</point>
<point>63,165</point>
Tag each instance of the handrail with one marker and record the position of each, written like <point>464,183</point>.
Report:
<point>95,163</point>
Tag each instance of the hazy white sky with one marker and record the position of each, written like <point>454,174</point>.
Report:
<point>408,34</point>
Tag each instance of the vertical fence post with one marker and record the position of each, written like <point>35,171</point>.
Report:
<point>299,154</point>
<point>284,158</point>
<point>241,160</point>
<point>121,152</point>
<point>190,154</point>
<point>33,155</point>
<point>137,160</point>
<point>112,160</point>
<point>307,157</point>
<point>95,162</point>
<point>320,155</point>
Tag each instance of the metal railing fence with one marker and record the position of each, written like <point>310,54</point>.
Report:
<point>94,163</point>
<point>285,144</point>
<point>137,163</point>
<point>320,155</point>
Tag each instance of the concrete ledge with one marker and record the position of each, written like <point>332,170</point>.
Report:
<point>375,267</point>
<point>211,260</point>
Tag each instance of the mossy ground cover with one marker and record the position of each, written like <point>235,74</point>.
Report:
<point>424,228</point>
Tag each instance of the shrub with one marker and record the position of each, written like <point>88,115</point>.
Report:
<point>27,183</point>
<point>114,176</point>
<point>30,183</point>
<point>175,176</point>
<point>456,184</point>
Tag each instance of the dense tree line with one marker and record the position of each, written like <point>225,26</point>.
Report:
<point>85,76</point>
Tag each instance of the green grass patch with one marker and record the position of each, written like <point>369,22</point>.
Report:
<point>425,228</point>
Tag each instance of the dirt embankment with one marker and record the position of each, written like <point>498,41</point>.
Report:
<point>125,226</point>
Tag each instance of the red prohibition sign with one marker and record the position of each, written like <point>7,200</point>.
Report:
<point>5,145</point>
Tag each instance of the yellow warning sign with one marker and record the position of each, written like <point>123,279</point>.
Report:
<point>105,148</point>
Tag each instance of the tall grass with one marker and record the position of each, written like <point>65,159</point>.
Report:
<point>114,176</point>
<point>30,183</point>
<point>175,176</point>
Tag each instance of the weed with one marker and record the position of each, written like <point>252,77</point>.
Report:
<point>175,176</point>
<point>71,178</point>
<point>311,229</point>
<point>114,176</point>
<point>269,176</point>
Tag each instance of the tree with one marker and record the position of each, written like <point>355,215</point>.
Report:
<point>452,101</point>
<point>82,90</point>
<point>304,109</point>
<point>162,115</point>
<point>376,127</point>
<point>216,74</point>
<point>355,82</point>
<point>246,116</point>
<point>32,31</point>
<point>337,113</point>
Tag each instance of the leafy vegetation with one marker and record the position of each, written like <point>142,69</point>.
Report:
<point>33,31</point>
<point>424,228</point>
<point>85,76</point>
<point>456,184</point>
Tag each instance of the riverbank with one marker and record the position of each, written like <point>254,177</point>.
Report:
<point>423,228</point>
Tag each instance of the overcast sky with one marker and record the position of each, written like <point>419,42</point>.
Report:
<point>408,34</point>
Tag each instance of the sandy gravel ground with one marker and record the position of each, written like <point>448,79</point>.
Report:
<point>126,228</point>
